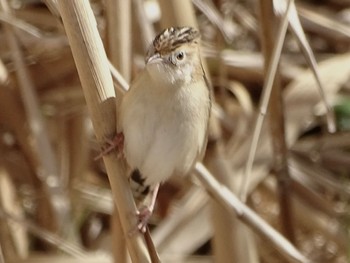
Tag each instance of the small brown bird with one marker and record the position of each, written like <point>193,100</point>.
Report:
<point>164,116</point>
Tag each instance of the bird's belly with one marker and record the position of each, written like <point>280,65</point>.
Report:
<point>158,144</point>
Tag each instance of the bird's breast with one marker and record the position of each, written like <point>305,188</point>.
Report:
<point>164,132</point>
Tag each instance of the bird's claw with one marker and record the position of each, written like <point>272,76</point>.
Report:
<point>116,143</point>
<point>143,215</point>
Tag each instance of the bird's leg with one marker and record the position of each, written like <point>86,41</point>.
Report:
<point>116,143</point>
<point>145,212</point>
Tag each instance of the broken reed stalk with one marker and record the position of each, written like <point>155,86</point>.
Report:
<point>93,69</point>
<point>276,121</point>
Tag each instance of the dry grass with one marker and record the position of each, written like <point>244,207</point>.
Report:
<point>58,106</point>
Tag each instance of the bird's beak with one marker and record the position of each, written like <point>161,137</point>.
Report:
<point>154,59</point>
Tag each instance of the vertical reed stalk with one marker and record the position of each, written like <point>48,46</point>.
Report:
<point>177,13</point>
<point>119,48</point>
<point>276,118</point>
<point>96,80</point>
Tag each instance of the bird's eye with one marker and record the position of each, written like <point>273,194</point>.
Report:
<point>180,56</point>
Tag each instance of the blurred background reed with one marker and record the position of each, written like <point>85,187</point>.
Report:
<point>279,135</point>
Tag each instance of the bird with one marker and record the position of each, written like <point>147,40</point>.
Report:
<point>164,117</point>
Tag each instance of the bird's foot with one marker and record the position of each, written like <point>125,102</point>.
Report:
<point>143,214</point>
<point>116,143</point>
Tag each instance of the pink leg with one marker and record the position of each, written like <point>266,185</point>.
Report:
<point>116,143</point>
<point>145,212</point>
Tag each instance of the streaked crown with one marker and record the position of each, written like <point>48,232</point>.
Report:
<point>171,38</point>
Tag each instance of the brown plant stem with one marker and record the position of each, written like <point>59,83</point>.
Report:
<point>177,13</point>
<point>231,202</point>
<point>118,14</point>
<point>96,80</point>
<point>276,118</point>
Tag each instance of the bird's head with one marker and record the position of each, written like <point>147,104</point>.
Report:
<point>173,57</point>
